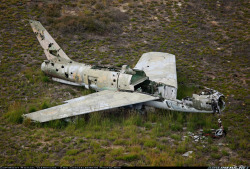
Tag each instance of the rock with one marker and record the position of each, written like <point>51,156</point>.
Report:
<point>196,138</point>
<point>103,49</point>
<point>200,131</point>
<point>187,154</point>
<point>184,137</point>
<point>220,144</point>
<point>75,37</point>
<point>179,4</point>
<point>190,133</point>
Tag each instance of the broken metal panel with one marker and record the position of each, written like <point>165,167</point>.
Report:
<point>94,102</point>
<point>51,48</point>
<point>168,92</point>
<point>202,101</point>
<point>138,77</point>
<point>124,82</point>
<point>127,70</point>
<point>104,79</point>
<point>209,101</point>
<point>159,67</point>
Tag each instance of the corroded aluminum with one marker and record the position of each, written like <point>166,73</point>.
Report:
<point>45,39</point>
<point>86,104</point>
<point>152,82</point>
<point>159,67</point>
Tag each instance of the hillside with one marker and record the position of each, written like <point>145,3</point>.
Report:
<point>210,40</point>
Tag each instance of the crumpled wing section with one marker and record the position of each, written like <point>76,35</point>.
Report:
<point>159,67</point>
<point>86,104</point>
<point>51,48</point>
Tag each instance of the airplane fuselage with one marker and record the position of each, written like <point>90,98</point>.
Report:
<point>97,78</point>
<point>154,75</point>
<point>152,82</point>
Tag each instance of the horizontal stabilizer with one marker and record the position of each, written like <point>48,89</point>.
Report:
<point>159,67</point>
<point>86,104</point>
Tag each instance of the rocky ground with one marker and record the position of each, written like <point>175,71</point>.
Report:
<point>209,38</point>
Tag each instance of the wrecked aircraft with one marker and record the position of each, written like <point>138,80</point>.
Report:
<point>152,82</point>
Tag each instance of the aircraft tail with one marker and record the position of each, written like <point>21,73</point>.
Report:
<point>51,48</point>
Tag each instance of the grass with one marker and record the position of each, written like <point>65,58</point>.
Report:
<point>72,152</point>
<point>176,137</point>
<point>128,157</point>
<point>119,137</point>
<point>150,143</point>
<point>87,19</point>
<point>14,114</point>
<point>215,155</point>
<point>224,153</point>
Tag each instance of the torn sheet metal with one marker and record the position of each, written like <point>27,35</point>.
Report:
<point>208,101</point>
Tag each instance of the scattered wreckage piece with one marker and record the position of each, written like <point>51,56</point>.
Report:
<point>187,154</point>
<point>152,82</point>
<point>214,133</point>
<point>220,132</point>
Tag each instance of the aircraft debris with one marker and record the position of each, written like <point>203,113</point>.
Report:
<point>215,133</point>
<point>152,82</point>
<point>187,154</point>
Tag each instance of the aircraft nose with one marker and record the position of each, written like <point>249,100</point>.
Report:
<point>43,66</point>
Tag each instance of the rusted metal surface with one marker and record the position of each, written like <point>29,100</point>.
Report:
<point>152,82</point>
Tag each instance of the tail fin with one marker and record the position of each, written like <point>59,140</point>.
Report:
<point>51,48</point>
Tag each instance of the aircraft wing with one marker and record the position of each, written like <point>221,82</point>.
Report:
<point>90,103</point>
<point>159,67</point>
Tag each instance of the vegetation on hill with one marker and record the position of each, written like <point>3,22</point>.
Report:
<point>210,40</point>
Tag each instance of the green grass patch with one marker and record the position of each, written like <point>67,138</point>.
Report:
<point>32,109</point>
<point>225,152</point>
<point>215,155</point>
<point>128,157</point>
<point>182,148</point>
<point>120,142</point>
<point>72,152</point>
<point>14,114</point>
<point>176,127</point>
<point>149,143</point>
<point>176,137</point>
<point>67,140</point>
